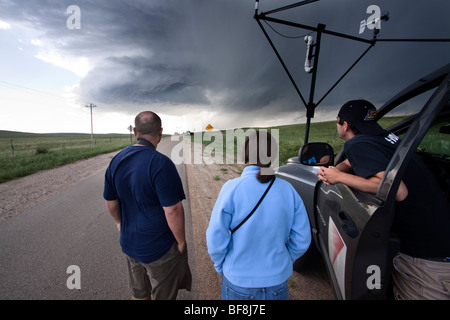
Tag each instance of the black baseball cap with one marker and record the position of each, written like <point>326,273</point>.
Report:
<point>362,114</point>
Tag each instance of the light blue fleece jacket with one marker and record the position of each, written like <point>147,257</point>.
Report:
<point>262,251</point>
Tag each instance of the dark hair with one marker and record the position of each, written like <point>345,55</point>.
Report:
<point>249,153</point>
<point>147,122</point>
<point>350,125</point>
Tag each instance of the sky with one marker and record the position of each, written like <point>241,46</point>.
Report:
<point>199,62</point>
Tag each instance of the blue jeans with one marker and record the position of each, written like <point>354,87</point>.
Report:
<point>233,292</point>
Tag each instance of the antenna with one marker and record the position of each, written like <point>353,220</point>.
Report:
<point>92,106</point>
<point>309,53</point>
<point>372,23</point>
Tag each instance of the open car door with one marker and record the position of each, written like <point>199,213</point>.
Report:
<point>355,227</point>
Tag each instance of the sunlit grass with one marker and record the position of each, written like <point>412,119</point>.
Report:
<point>22,154</point>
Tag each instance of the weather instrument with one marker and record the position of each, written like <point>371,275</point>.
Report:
<point>309,53</point>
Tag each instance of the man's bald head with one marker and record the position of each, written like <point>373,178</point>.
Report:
<point>147,123</point>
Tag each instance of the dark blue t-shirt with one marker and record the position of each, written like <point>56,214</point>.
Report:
<point>422,220</point>
<point>368,154</point>
<point>144,181</point>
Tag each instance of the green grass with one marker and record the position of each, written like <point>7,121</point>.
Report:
<point>35,152</point>
<point>291,137</point>
<point>435,143</point>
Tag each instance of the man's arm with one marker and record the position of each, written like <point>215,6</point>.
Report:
<point>333,175</point>
<point>345,166</point>
<point>114,210</point>
<point>175,220</point>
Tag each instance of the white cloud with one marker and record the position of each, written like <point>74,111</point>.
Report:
<point>4,25</point>
<point>80,66</point>
<point>36,42</point>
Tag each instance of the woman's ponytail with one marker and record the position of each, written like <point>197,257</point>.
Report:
<point>260,154</point>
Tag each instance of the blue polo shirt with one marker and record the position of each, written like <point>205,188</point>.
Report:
<point>144,181</point>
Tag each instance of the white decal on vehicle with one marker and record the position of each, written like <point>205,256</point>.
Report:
<point>337,251</point>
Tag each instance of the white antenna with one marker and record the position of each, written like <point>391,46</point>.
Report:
<point>309,54</point>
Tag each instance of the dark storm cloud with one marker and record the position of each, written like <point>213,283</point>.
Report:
<point>212,54</point>
<point>138,80</point>
<point>195,49</point>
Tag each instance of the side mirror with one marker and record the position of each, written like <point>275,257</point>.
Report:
<point>316,154</point>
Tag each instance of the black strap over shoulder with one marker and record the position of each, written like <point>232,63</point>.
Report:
<point>254,209</point>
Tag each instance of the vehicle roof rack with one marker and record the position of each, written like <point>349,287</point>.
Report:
<point>320,29</point>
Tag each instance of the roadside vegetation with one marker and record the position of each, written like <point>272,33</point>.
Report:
<point>291,137</point>
<point>22,154</point>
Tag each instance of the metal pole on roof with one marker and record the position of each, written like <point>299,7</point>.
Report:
<point>311,105</point>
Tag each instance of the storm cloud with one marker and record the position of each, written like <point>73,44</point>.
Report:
<point>180,57</point>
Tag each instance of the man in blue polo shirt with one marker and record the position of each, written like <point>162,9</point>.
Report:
<point>144,194</point>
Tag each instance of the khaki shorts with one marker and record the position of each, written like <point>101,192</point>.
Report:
<point>420,279</point>
<point>160,279</point>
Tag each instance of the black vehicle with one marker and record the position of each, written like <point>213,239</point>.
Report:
<point>352,229</point>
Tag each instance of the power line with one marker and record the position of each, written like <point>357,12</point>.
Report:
<point>10,85</point>
<point>285,36</point>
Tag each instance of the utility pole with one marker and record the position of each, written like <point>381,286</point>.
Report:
<point>92,106</point>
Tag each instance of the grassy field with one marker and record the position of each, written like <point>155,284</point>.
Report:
<point>291,137</point>
<point>22,154</point>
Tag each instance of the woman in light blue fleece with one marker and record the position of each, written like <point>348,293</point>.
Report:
<point>257,260</point>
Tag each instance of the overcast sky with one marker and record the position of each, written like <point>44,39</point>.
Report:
<point>198,62</point>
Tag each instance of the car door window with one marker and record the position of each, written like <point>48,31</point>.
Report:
<point>437,141</point>
<point>435,152</point>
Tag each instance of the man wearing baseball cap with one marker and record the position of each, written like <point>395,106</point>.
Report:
<point>422,213</point>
